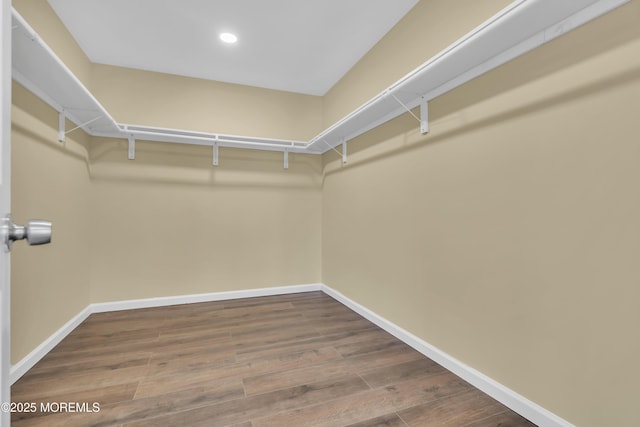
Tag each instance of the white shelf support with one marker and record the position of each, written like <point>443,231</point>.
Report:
<point>406,108</point>
<point>424,113</point>
<point>83,124</point>
<point>61,123</point>
<point>334,148</point>
<point>424,116</point>
<point>286,159</point>
<point>344,152</point>
<point>215,154</point>
<point>132,147</point>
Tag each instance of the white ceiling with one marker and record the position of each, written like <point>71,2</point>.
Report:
<point>302,46</point>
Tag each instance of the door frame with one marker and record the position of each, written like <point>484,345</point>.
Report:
<point>5,209</point>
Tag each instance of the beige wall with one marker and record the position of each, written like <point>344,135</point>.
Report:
<point>164,100</point>
<point>509,236</point>
<point>49,284</point>
<point>169,223</point>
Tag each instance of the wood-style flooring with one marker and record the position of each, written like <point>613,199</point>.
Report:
<point>291,360</point>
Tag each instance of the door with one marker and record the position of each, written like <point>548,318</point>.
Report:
<point>35,232</point>
<point>5,206</point>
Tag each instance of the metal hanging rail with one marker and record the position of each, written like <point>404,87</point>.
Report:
<point>202,138</point>
<point>515,30</point>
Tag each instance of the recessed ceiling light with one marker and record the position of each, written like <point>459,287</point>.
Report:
<point>228,37</point>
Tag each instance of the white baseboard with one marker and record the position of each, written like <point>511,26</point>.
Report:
<point>506,396</point>
<point>514,401</point>
<point>27,362</point>
<point>195,298</point>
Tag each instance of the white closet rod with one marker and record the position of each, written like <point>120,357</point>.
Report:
<point>203,138</point>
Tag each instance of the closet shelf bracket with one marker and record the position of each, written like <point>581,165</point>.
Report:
<point>424,113</point>
<point>132,147</point>
<point>344,151</point>
<point>424,116</point>
<point>215,154</point>
<point>334,148</point>
<point>61,124</point>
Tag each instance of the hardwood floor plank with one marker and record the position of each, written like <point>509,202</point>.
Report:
<point>401,372</point>
<point>270,336</point>
<point>211,350</point>
<point>242,410</point>
<point>107,339</point>
<point>73,367</point>
<point>390,420</point>
<point>168,379</point>
<point>308,343</point>
<point>339,325</point>
<point>288,360</point>
<point>144,409</point>
<point>190,358</point>
<point>369,404</point>
<point>64,385</point>
<point>181,380</point>
<point>201,330</point>
<point>504,419</point>
<point>249,311</point>
<point>327,312</point>
<point>104,396</point>
<point>382,341</point>
<point>334,368</point>
<point>458,410</point>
